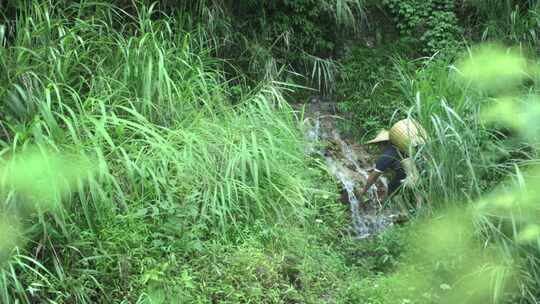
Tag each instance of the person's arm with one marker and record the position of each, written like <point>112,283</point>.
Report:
<point>383,163</point>
<point>372,178</point>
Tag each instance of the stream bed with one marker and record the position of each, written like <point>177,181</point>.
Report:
<point>350,164</point>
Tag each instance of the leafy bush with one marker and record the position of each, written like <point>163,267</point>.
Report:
<point>366,86</point>
<point>431,26</point>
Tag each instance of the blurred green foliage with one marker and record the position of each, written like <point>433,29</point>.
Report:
<point>482,252</point>
<point>42,178</point>
<point>35,181</point>
<point>493,70</point>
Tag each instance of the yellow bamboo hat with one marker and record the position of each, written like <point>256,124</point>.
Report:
<point>383,135</point>
<point>407,133</point>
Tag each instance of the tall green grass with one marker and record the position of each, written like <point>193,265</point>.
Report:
<point>450,114</point>
<point>175,161</point>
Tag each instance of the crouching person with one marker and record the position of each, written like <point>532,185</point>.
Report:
<point>403,139</point>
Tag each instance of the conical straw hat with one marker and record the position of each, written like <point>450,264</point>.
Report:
<point>407,133</point>
<point>381,136</point>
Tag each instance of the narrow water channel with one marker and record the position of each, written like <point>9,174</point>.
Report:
<point>349,163</point>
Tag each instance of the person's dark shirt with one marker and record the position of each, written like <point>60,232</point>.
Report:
<point>390,159</point>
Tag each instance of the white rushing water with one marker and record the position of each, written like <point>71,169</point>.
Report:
<point>343,164</point>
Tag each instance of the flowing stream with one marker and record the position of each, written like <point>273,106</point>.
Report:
<point>348,163</point>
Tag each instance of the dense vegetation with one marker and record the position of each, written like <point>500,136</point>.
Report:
<point>150,153</point>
